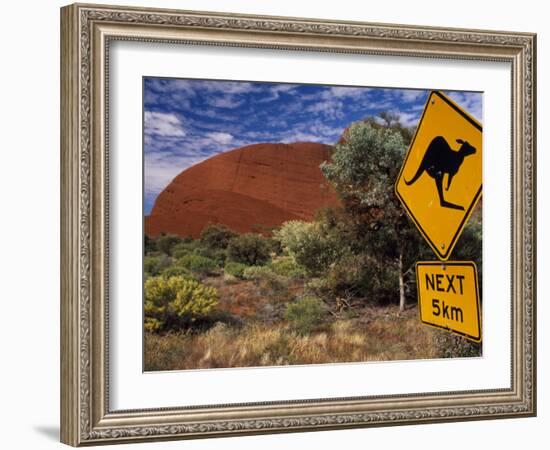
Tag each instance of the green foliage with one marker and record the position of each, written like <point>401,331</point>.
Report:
<point>291,233</point>
<point>185,247</point>
<point>364,168</point>
<point>304,314</point>
<point>166,242</point>
<point>468,247</point>
<point>153,265</point>
<point>391,120</point>
<point>198,264</point>
<point>286,266</point>
<point>250,249</point>
<point>217,255</point>
<point>469,243</point>
<point>217,236</point>
<point>197,247</point>
<point>176,302</point>
<point>310,245</point>
<point>235,269</point>
<point>362,276</point>
<point>365,164</point>
<point>149,244</point>
<point>268,281</point>
<point>257,272</point>
<point>174,270</point>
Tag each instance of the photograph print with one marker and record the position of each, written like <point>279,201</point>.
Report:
<point>295,224</point>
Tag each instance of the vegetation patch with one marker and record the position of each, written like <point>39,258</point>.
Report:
<point>337,288</point>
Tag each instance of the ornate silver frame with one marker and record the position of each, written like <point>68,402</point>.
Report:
<point>86,31</point>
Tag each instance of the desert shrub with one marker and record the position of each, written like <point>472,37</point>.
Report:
<point>153,265</point>
<point>198,264</point>
<point>311,245</point>
<point>469,246</point>
<point>250,249</point>
<point>217,255</point>
<point>357,277</point>
<point>353,276</point>
<point>257,272</point>
<point>452,346</point>
<point>286,266</point>
<point>217,236</point>
<point>304,314</point>
<point>166,242</point>
<point>149,244</point>
<point>176,302</point>
<point>291,233</point>
<point>186,247</point>
<point>235,269</point>
<point>175,270</point>
<point>363,276</point>
<point>150,265</point>
<point>268,281</point>
<point>197,247</point>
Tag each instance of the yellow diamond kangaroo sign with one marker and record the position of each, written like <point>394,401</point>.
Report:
<point>440,180</point>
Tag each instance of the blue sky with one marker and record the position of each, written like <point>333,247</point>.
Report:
<point>187,121</point>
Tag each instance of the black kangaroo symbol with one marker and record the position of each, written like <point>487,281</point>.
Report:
<point>441,159</point>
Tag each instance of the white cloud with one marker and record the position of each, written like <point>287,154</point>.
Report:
<point>342,91</point>
<point>409,119</point>
<point>298,136</point>
<point>470,101</point>
<point>258,135</point>
<point>170,85</point>
<point>406,118</point>
<point>226,87</point>
<point>411,95</point>
<point>161,168</point>
<point>225,101</point>
<point>323,130</point>
<point>165,158</point>
<point>220,138</point>
<point>333,109</point>
<point>273,92</point>
<point>163,124</point>
<point>215,113</point>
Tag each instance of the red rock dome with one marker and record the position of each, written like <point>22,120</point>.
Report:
<point>252,188</point>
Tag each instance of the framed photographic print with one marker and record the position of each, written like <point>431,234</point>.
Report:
<point>275,225</point>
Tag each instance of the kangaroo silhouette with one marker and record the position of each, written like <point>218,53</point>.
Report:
<point>441,159</point>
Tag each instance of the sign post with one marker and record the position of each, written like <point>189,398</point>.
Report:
<point>439,186</point>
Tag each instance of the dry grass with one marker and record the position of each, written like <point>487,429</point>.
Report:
<point>389,336</point>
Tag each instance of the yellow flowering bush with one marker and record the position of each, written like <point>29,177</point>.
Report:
<point>175,302</point>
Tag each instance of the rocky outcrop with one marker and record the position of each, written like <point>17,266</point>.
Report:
<point>253,188</point>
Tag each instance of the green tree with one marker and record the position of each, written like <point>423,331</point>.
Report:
<point>166,242</point>
<point>313,245</point>
<point>217,236</point>
<point>250,249</point>
<point>468,247</point>
<point>363,169</point>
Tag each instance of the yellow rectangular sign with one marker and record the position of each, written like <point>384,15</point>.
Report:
<point>448,297</point>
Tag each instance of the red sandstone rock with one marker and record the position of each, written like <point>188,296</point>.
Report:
<point>253,188</point>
